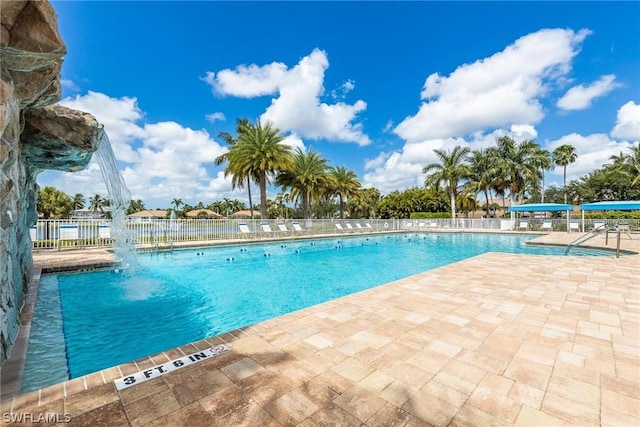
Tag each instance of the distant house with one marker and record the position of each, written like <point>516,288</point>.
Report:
<point>147,215</point>
<point>244,214</point>
<point>87,214</point>
<point>203,213</point>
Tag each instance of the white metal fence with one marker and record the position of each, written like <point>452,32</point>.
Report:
<point>61,234</point>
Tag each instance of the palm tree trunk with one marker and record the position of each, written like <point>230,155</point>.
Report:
<point>452,197</point>
<point>263,194</point>
<point>341,206</point>
<point>249,190</point>
<point>564,184</point>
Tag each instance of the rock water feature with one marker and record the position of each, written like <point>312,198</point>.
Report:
<point>35,135</point>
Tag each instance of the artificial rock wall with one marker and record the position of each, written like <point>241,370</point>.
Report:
<point>35,135</point>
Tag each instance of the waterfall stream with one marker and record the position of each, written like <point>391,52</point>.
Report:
<point>119,199</point>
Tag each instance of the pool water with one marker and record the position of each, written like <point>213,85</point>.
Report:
<point>183,296</point>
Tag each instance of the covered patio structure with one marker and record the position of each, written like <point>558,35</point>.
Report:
<point>544,207</point>
<point>612,205</point>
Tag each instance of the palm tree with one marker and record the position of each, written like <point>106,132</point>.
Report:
<point>306,178</point>
<point>518,165</point>
<point>77,202</point>
<point>480,180</point>
<point>450,170</point>
<point>135,206</point>
<point>176,204</point>
<point>260,153</point>
<point>239,176</point>
<point>633,161</point>
<point>97,203</point>
<point>343,183</point>
<point>562,156</point>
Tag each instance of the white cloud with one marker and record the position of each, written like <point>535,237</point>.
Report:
<point>119,117</point>
<point>164,160</point>
<point>217,116</point>
<point>69,84</point>
<point>580,97</point>
<point>294,142</point>
<point>297,107</point>
<point>593,152</point>
<point>628,122</point>
<point>496,91</point>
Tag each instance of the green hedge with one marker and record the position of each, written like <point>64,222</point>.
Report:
<point>611,215</point>
<point>430,215</point>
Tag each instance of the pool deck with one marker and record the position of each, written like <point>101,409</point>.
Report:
<point>497,339</point>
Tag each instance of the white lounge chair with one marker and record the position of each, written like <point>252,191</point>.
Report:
<point>296,227</point>
<point>433,225</point>
<point>524,224</point>
<point>359,227</point>
<point>422,224</point>
<point>574,226</point>
<point>599,225</point>
<point>266,228</point>
<point>283,228</point>
<point>368,225</point>
<point>244,229</point>
<point>349,226</point>
<point>546,225</point>
<point>339,227</point>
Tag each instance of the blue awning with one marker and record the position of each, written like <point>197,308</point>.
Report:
<point>625,205</point>
<point>541,207</point>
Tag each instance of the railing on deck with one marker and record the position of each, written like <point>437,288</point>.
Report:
<point>81,233</point>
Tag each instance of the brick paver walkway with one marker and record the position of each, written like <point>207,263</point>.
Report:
<point>498,339</point>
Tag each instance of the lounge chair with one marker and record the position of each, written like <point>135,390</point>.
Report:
<point>349,226</point>
<point>409,224</point>
<point>244,229</point>
<point>422,224</point>
<point>433,225</point>
<point>546,225</point>
<point>367,225</point>
<point>574,226</point>
<point>266,228</point>
<point>599,225</point>
<point>339,227</point>
<point>283,228</point>
<point>524,224</point>
<point>296,227</point>
<point>359,227</point>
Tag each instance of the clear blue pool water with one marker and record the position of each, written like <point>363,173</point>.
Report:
<point>85,322</point>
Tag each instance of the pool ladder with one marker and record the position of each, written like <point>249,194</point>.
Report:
<point>596,232</point>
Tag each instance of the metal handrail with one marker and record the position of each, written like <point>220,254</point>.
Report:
<point>596,232</point>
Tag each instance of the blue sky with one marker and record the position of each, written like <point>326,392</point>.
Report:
<point>373,86</point>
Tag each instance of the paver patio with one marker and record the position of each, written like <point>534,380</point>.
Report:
<point>498,339</point>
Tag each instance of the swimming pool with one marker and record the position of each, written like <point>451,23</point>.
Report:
<point>186,295</point>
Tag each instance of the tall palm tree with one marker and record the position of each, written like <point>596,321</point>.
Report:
<point>343,183</point>
<point>546,159</point>
<point>562,156</point>
<point>239,177</point>
<point>97,203</point>
<point>259,152</point>
<point>306,178</point>
<point>449,171</point>
<point>480,180</point>
<point>78,201</point>
<point>633,162</point>
<point>176,204</point>
<point>518,165</point>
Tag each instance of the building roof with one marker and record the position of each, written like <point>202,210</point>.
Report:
<point>207,212</point>
<point>621,205</point>
<point>541,207</point>
<point>244,214</point>
<point>149,214</point>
